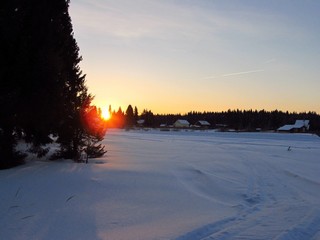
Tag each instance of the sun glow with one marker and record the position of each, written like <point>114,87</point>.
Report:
<point>105,114</point>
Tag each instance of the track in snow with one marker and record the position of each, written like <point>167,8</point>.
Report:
<point>274,203</point>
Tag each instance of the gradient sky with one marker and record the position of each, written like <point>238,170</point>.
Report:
<point>174,56</point>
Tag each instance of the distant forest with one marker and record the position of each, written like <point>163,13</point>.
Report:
<point>240,120</point>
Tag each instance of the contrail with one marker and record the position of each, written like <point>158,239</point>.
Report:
<point>240,73</point>
<point>270,60</point>
<point>236,73</point>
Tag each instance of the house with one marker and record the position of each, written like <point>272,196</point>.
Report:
<point>221,127</point>
<point>164,127</point>
<point>202,124</point>
<point>181,123</point>
<point>140,122</point>
<point>298,126</point>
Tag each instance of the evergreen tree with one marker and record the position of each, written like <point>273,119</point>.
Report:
<point>82,132</point>
<point>110,110</point>
<point>136,115</point>
<point>95,129</point>
<point>42,88</point>
<point>14,62</point>
<point>129,117</point>
<point>148,117</point>
<point>119,118</point>
<point>75,100</point>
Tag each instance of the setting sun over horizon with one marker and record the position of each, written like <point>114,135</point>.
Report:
<point>181,56</point>
<point>105,114</point>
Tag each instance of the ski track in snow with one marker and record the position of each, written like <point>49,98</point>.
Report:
<point>261,212</point>
<point>172,185</point>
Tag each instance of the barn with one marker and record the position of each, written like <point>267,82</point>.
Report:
<point>298,126</point>
<point>181,123</point>
<point>202,124</point>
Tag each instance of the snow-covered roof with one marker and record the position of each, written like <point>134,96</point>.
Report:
<point>203,123</point>
<point>183,122</point>
<point>298,124</point>
<point>301,123</point>
<point>141,121</point>
<point>286,128</point>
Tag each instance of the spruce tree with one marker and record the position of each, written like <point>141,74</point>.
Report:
<point>42,90</point>
<point>74,100</point>
<point>12,67</point>
<point>129,117</point>
<point>136,114</point>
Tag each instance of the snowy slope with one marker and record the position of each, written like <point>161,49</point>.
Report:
<point>171,185</point>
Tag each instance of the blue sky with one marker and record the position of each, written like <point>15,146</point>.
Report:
<point>203,55</point>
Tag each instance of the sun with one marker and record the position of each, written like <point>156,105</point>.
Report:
<point>105,114</point>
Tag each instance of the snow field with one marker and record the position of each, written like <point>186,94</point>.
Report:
<point>171,185</point>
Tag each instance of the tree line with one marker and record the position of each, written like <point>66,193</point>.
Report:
<point>43,95</point>
<point>248,120</point>
<point>251,120</point>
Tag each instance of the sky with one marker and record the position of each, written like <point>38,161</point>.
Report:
<point>176,56</point>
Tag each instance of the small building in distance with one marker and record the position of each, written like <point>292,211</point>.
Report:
<point>181,123</point>
<point>140,122</point>
<point>298,126</point>
<point>202,124</point>
<point>221,127</point>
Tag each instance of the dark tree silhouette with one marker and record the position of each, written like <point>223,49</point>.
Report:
<point>95,129</point>
<point>129,117</point>
<point>42,87</point>
<point>244,120</point>
<point>117,119</point>
<point>136,115</point>
<point>149,120</point>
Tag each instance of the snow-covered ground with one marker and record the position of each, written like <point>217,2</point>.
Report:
<point>170,185</point>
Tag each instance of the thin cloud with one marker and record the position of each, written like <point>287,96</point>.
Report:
<point>127,19</point>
